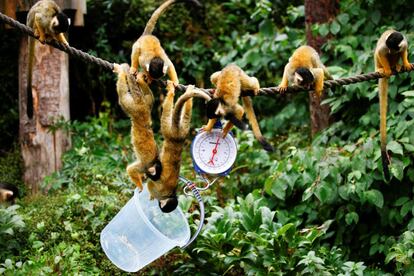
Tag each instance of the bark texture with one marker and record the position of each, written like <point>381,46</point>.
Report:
<point>41,147</point>
<point>318,11</point>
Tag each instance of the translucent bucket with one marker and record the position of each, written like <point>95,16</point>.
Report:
<point>141,233</point>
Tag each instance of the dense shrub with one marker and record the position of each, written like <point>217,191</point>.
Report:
<point>313,207</point>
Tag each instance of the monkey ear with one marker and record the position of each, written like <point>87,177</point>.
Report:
<point>147,67</point>
<point>164,69</point>
<point>214,77</point>
<point>54,22</point>
<point>403,44</point>
<point>9,194</point>
<point>298,77</point>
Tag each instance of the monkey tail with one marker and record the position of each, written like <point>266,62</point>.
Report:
<point>29,95</point>
<point>149,28</point>
<point>235,121</point>
<point>188,95</point>
<point>383,100</point>
<point>248,108</point>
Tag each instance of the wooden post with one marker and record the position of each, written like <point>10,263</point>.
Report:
<point>42,148</point>
<point>318,11</point>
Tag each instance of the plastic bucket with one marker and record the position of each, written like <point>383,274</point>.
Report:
<point>141,233</point>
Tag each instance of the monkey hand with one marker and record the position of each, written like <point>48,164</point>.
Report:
<point>282,89</point>
<point>408,67</point>
<point>206,128</point>
<point>42,39</point>
<point>141,78</point>
<point>117,68</point>
<point>133,70</point>
<point>170,87</point>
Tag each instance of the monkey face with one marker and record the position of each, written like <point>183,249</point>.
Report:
<point>168,205</point>
<point>154,172</point>
<point>304,78</point>
<point>156,68</point>
<point>60,23</point>
<point>167,198</point>
<point>212,107</point>
<point>395,42</point>
<point>215,109</point>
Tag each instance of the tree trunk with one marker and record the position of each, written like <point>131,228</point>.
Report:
<point>41,147</point>
<point>318,11</point>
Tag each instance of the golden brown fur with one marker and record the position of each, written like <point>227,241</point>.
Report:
<point>386,60</point>
<point>175,126</point>
<point>229,83</point>
<point>136,100</point>
<point>306,58</point>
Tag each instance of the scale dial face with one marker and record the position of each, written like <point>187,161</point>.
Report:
<point>212,153</point>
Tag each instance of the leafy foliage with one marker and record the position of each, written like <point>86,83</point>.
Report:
<point>316,207</point>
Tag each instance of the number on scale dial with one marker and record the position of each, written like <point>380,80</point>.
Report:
<point>212,153</point>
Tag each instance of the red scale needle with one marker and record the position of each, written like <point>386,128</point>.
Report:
<point>214,151</point>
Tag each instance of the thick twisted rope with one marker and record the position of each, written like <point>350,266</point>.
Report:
<point>68,49</point>
<point>270,91</point>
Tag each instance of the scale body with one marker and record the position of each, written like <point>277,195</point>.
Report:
<point>212,154</point>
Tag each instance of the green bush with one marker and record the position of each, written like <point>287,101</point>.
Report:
<point>313,207</point>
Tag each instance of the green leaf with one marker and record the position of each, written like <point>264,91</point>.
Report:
<point>343,18</point>
<point>409,147</point>
<point>375,197</point>
<point>351,217</point>
<point>391,256</point>
<point>335,27</point>
<point>395,147</point>
<point>376,16</point>
<point>406,208</point>
<point>279,190</point>
<point>409,93</point>
<point>397,169</point>
<point>322,193</point>
<point>323,30</point>
<point>267,27</point>
<point>410,225</point>
<point>307,194</point>
<point>401,201</point>
<point>8,263</point>
<point>284,229</point>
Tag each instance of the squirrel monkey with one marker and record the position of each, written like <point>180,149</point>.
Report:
<point>390,47</point>
<point>47,22</point>
<point>229,83</point>
<point>135,98</point>
<point>148,53</point>
<point>175,126</point>
<point>306,70</point>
